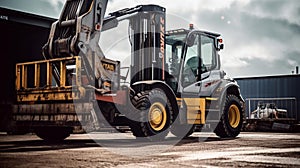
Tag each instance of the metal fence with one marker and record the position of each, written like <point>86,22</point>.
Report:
<point>287,103</point>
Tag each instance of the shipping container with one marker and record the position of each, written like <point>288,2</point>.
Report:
<point>282,90</point>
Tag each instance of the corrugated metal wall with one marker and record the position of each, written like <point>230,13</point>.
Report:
<point>273,87</point>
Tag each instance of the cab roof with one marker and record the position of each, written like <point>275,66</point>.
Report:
<point>186,31</point>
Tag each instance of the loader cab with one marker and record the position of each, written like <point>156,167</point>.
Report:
<point>191,56</point>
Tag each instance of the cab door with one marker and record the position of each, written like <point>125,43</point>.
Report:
<point>191,82</point>
<point>198,63</point>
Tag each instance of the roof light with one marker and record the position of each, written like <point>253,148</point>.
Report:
<point>191,26</point>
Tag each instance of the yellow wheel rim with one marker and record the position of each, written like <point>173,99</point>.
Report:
<point>234,116</point>
<point>157,116</point>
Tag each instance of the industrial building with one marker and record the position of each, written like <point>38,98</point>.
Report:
<point>22,37</point>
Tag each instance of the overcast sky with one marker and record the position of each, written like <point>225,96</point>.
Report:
<point>261,37</point>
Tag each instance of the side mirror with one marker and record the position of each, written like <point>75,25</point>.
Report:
<point>191,40</point>
<point>221,47</point>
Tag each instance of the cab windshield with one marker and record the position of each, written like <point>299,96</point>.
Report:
<point>174,48</point>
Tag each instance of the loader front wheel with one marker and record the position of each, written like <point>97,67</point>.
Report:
<point>53,134</point>
<point>155,115</point>
<point>231,121</point>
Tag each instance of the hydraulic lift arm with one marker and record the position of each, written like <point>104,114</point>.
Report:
<point>77,32</point>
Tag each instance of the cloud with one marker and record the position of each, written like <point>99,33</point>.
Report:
<point>261,36</point>
<point>252,38</point>
<point>56,4</point>
<point>276,9</point>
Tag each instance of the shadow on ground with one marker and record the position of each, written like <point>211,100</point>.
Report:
<point>15,146</point>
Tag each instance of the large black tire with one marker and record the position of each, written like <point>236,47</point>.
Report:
<point>53,134</point>
<point>154,115</point>
<point>231,121</point>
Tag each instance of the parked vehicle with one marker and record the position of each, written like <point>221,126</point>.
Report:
<point>268,110</point>
<point>175,78</point>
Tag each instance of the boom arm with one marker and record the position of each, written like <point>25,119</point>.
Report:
<point>79,24</point>
<point>77,32</point>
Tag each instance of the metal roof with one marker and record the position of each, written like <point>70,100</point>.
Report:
<point>185,31</point>
<point>266,77</point>
<point>10,15</point>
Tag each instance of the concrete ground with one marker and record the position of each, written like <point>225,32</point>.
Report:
<point>249,149</point>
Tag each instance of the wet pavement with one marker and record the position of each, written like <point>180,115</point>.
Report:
<point>249,149</point>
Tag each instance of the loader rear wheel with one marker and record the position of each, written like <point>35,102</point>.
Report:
<point>53,134</point>
<point>231,121</point>
<point>154,113</point>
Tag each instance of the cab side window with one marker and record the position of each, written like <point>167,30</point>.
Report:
<point>191,62</point>
<point>207,54</point>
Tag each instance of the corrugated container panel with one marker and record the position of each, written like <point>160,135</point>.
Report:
<point>287,86</point>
